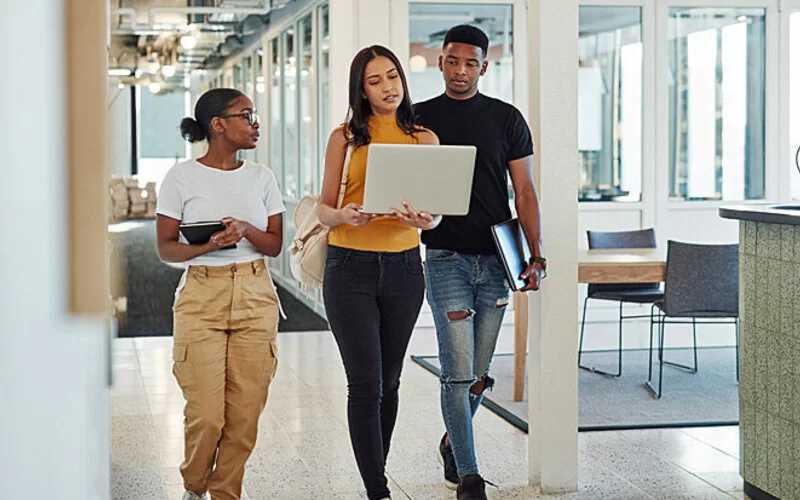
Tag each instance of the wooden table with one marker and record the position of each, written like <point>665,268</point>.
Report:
<point>594,266</point>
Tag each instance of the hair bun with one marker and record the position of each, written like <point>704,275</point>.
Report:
<point>191,130</point>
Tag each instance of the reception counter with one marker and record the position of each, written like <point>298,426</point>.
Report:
<point>769,381</point>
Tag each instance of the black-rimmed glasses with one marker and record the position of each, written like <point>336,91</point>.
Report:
<point>251,117</point>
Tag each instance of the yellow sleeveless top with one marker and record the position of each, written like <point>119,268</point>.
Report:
<point>381,234</point>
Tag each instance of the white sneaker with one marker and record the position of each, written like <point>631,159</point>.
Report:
<point>191,495</point>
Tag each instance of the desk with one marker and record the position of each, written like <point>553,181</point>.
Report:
<point>632,265</point>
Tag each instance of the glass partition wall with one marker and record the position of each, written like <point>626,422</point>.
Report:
<point>287,76</point>
<point>610,103</point>
<point>429,21</point>
<point>717,62</point>
<point>715,118</point>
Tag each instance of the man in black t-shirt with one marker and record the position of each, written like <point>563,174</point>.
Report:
<point>466,283</point>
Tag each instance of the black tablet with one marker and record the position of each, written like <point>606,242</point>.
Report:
<point>198,233</point>
<point>512,248</point>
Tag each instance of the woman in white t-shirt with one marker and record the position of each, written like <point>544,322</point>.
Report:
<point>226,308</point>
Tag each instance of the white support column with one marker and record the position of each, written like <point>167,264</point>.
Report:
<point>356,24</point>
<point>553,347</point>
<point>343,22</point>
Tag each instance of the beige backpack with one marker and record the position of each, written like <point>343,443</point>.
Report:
<point>309,248</point>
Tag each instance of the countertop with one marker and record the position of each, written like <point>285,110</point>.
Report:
<point>775,214</point>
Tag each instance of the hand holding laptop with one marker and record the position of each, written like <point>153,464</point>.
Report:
<point>411,217</point>
<point>352,214</point>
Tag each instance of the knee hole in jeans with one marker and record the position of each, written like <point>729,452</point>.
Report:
<point>482,385</point>
<point>460,315</point>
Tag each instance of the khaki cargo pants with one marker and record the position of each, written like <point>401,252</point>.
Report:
<point>225,355</point>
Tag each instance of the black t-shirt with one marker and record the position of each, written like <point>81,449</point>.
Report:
<point>500,134</point>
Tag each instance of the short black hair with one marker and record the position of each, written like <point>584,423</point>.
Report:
<point>464,33</point>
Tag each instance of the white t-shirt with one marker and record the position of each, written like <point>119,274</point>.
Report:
<point>193,192</point>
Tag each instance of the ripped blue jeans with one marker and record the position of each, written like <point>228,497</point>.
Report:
<point>468,294</point>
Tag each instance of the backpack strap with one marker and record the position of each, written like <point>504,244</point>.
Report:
<point>345,171</point>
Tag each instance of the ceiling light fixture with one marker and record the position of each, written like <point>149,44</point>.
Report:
<point>154,87</point>
<point>188,42</point>
<point>417,63</point>
<point>119,72</point>
<point>168,70</point>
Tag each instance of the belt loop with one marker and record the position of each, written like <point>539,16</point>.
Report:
<point>255,266</point>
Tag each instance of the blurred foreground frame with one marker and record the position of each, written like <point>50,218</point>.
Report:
<point>86,37</point>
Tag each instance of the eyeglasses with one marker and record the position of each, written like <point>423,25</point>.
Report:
<point>251,117</point>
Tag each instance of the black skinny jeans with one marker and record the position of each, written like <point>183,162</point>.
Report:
<point>372,300</point>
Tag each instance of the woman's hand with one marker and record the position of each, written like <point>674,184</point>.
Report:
<point>413,218</point>
<point>350,215</point>
<point>233,233</point>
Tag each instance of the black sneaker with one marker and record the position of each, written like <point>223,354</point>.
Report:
<point>471,487</point>
<point>449,462</point>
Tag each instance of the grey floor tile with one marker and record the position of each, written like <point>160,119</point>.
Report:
<point>137,484</point>
<point>303,449</point>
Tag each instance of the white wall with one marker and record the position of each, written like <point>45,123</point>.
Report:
<point>119,130</point>
<point>54,414</point>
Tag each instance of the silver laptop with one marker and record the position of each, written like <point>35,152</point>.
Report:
<point>432,179</point>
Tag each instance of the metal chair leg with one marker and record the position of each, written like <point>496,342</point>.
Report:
<point>619,346</point>
<point>580,348</point>
<point>649,384</point>
<point>661,348</point>
<point>687,367</point>
<point>736,322</point>
<point>650,357</point>
<point>583,324</point>
<point>694,338</point>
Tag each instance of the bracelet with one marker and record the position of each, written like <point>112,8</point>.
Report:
<point>538,258</point>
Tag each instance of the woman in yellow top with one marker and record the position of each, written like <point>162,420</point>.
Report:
<point>373,287</point>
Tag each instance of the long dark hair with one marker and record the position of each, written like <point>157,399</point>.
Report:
<point>358,114</point>
<point>213,103</point>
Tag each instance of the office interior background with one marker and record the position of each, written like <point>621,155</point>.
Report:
<point>682,106</point>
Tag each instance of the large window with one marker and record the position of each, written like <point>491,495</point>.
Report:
<point>323,86</point>
<point>717,71</point>
<point>428,22</point>
<point>290,181</point>
<point>160,141</point>
<point>610,103</point>
<point>247,87</point>
<point>275,108</point>
<point>307,139</point>
<point>259,98</point>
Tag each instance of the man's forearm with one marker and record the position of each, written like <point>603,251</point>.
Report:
<point>528,214</point>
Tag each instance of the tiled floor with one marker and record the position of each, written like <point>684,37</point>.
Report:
<point>303,450</point>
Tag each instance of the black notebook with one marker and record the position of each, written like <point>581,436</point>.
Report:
<point>198,233</point>
<point>512,248</point>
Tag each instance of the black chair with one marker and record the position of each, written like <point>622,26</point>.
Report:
<point>702,281</point>
<point>638,293</point>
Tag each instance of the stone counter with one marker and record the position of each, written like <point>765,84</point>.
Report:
<point>769,382</point>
